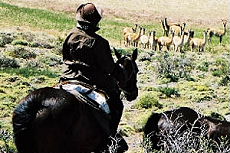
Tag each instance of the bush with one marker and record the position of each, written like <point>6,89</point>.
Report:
<point>174,67</point>
<point>148,100</point>
<point>2,44</point>
<point>225,81</point>
<point>144,57</point>
<point>5,38</point>
<point>217,73</point>
<point>34,44</point>
<point>20,42</point>
<point>169,92</point>
<point>33,64</point>
<point>51,59</point>
<point>20,52</point>
<point>8,62</point>
<point>221,67</point>
<point>204,66</point>
<point>6,137</point>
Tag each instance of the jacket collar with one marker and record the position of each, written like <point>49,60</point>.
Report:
<point>87,27</point>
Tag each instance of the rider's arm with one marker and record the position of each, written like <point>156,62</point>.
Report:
<point>66,50</point>
<point>103,56</point>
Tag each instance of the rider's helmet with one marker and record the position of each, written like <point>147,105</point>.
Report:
<point>89,13</point>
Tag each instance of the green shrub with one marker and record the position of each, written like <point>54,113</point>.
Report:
<point>224,81</point>
<point>148,100</point>
<point>33,64</point>
<point>222,67</point>
<point>20,52</point>
<point>2,44</point>
<point>144,57</point>
<point>5,38</point>
<point>34,44</point>
<point>6,136</point>
<point>20,42</point>
<point>217,73</point>
<point>169,92</point>
<point>174,67</point>
<point>8,62</point>
<point>51,59</point>
<point>204,66</point>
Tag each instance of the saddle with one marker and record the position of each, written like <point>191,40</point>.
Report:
<point>95,98</point>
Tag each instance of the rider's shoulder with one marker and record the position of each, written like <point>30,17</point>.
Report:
<point>80,33</point>
<point>101,39</point>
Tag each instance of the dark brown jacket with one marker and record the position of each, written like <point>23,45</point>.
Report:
<point>93,53</point>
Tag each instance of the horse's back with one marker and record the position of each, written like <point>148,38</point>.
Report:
<point>52,120</point>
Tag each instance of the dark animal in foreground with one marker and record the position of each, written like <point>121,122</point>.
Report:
<point>163,127</point>
<point>162,122</point>
<point>51,120</point>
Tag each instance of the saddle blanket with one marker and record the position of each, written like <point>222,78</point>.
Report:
<point>96,96</point>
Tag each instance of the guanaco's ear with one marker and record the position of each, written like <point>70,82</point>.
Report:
<point>134,55</point>
<point>118,55</point>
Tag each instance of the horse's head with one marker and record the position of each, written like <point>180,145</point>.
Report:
<point>128,81</point>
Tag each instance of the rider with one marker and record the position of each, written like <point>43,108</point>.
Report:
<point>88,58</point>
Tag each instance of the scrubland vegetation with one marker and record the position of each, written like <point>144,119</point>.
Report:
<point>30,57</point>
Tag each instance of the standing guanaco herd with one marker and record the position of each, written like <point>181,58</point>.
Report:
<point>174,34</point>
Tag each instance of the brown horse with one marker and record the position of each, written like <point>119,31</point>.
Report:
<point>175,123</point>
<point>51,120</point>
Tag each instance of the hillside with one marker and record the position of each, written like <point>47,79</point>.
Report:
<point>206,12</point>
<point>31,37</point>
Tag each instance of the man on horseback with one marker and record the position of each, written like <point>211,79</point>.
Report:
<point>88,58</point>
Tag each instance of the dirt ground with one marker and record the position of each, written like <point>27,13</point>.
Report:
<point>195,12</point>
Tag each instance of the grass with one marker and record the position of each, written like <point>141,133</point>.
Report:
<point>22,16</point>
<point>148,100</point>
<point>28,72</point>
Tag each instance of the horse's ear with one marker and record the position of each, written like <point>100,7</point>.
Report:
<point>118,55</point>
<point>134,55</point>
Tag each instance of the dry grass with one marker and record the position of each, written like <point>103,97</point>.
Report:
<point>197,12</point>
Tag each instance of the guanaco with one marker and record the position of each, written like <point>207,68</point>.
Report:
<point>217,33</point>
<point>188,35</point>
<point>199,43</point>
<point>178,42</point>
<point>126,32</point>
<point>165,27</point>
<point>133,38</point>
<point>153,40</point>
<point>177,29</point>
<point>129,29</point>
<point>172,27</point>
<point>165,41</point>
<point>144,39</point>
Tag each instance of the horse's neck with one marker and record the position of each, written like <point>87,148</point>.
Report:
<point>118,73</point>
